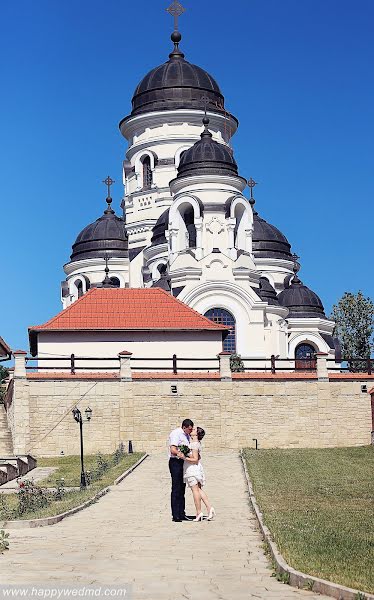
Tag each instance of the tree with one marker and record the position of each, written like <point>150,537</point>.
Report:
<point>3,373</point>
<point>354,318</point>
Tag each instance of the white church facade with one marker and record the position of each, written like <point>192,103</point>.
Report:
<point>188,228</point>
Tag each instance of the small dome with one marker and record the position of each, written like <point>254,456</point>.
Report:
<point>177,84</point>
<point>267,293</point>
<point>268,241</point>
<point>207,157</point>
<point>105,237</point>
<point>301,301</point>
<point>159,229</point>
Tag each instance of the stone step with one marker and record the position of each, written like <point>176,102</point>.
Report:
<point>12,466</point>
<point>6,443</point>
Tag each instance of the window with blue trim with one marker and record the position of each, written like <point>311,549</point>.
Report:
<point>224,317</point>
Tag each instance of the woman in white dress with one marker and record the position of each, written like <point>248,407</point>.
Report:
<point>193,474</point>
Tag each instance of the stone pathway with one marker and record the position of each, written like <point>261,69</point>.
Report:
<point>128,538</point>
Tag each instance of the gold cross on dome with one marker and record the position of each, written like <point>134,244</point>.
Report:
<point>108,182</point>
<point>176,10</point>
<point>251,184</point>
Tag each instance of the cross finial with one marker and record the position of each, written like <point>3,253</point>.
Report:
<point>108,182</point>
<point>106,282</point>
<point>176,10</point>
<point>251,184</point>
<point>205,100</point>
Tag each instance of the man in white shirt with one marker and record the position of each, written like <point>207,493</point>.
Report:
<point>178,437</point>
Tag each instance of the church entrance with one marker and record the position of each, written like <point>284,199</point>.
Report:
<point>305,357</point>
<point>224,317</point>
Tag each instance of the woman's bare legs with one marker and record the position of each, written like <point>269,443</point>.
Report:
<point>196,498</point>
<point>204,498</point>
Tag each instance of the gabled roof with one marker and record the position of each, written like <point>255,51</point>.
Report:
<point>124,309</point>
<point>4,348</point>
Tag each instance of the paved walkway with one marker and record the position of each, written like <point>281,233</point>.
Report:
<point>128,537</point>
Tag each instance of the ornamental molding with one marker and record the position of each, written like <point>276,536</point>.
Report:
<point>244,297</point>
<point>323,325</point>
<point>133,125</point>
<point>215,227</point>
<point>152,252</point>
<point>77,266</point>
<point>235,182</point>
<point>273,262</point>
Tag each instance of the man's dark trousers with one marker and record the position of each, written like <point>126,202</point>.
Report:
<point>177,488</point>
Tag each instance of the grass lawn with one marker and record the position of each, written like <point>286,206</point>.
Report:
<point>319,507</point>
<point>69,468</point>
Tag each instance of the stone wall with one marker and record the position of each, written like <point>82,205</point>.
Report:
<point>300,413</point>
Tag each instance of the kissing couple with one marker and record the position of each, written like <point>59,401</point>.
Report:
<point>185,468</point>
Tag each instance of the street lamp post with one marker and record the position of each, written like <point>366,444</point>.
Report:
<point>78,417</point>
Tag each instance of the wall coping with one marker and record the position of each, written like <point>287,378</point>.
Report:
<point>168,376</point>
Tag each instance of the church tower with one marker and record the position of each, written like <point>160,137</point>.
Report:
<point>188,228</point>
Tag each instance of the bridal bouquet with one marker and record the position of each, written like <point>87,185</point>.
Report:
<point>184,449</point>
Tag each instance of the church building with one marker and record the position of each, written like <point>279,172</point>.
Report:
<point>188,228</point>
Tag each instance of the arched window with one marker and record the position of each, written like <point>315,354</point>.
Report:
<point>147,172</point>
<point>79,286</point>
<point>305,357</point>
<point>224,317</point>
<point>188,217</point>
<point>115,282</point>
<point>239,231</point>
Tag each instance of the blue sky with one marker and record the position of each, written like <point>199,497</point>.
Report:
<point>298,74</point>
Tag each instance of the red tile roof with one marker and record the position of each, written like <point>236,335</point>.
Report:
<point>4,348</point>
<point>123,308</point>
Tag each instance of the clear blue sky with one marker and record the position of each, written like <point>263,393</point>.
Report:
<point>297,73</point>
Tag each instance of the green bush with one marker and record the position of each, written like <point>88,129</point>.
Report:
<point>4,543</point>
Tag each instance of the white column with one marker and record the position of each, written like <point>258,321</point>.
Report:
<point>248,239</point>
<point>199,238</point>
<point>21,405</point>
<point>224,366</point>
<point>322,372</point>
<point>125,365</point>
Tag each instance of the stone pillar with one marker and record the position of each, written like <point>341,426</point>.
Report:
<point>125,366</point>
<point>21,405</point>
<point>19,363</point>
<point>371,392</point>
<point>322,372</point>
<point>224,366</point>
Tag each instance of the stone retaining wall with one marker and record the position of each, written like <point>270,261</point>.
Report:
<point>300,413</point>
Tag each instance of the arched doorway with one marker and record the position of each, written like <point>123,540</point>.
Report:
<point>224,317</point>
<point>305,357</point>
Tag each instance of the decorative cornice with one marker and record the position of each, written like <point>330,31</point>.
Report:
<point>87,263</point>
<point>130,126</point>
<point>235,181</point>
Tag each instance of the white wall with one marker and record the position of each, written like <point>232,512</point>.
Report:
<point>143,344</point>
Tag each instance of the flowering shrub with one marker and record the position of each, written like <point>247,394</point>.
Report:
<point>4,543</point>
<point>31,497</point>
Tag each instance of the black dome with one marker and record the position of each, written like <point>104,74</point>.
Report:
<point>301,301</point>
<point>159,229</point>
<point>177,84</point>
<point>267,293</point>
<point>268,241</point>
<point>105,237</point>
<point>207,157</point>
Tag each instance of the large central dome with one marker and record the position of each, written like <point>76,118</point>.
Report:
<point>177,84</point>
